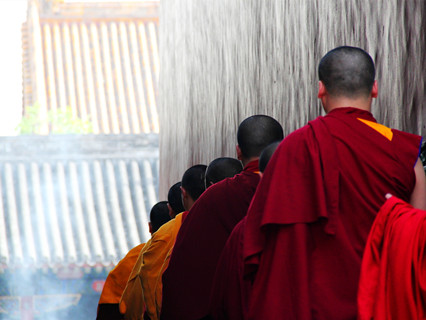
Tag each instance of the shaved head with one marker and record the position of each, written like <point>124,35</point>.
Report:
<point>193,180</point>
<point>347,71</point>
<point>256,133</point>
<point>175,198</point>
<point>222,168</point>
<point>266,155</point>
<point>159,215</point>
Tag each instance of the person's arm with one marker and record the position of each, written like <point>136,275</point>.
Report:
<point>418,197</point>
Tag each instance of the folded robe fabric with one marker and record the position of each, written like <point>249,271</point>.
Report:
<point>309,220</point>
<point>132,308</point>
<point>116,282</point>
<point>158,291</point>
<point>393,273</point>
<point>152,261</point>
<point>229,296</point>
<point>138,296</point>
<point>188,279</point>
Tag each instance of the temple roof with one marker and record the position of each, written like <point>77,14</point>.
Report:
<point>99,59</point>
<point>75,200</point>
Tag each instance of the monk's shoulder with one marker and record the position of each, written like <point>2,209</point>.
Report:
<point>218,190</point>
<point>164,232</point>
<point>130,258</point>
<point>405,138</point>
<point>293,139</point>
<point>238,185</point>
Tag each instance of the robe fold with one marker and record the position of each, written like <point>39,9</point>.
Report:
<point>188,279</point>
<point>309,220</point>
<point>132,308</point>
<point>153,260</point>
<point>229,296</point>
<point>115,284</point>
<point>393,274</point>
<point>139,294</point>
<point>158,294</point>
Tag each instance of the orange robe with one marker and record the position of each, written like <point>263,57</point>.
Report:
<point>133,308</point>
<point>153,260</point>
<point>159,284</point>
<point>393,273</point>
<point>139,294</point>
<point>158,295</point>
<point>116,281</point>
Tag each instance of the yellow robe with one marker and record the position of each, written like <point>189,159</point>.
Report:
<point>130,307</point>
<point>139,294</point>
<point>159,284</point>
<point>117,278</point>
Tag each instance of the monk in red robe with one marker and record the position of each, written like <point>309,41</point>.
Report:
<point>308,223</point>
<point>188,279</point>
<point>217,170</point>
<point>152,259</point>
<point>230,292</point>
<point>393,273</point>
<point>222,168</point>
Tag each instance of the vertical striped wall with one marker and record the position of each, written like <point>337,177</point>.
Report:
<point>222,61</point>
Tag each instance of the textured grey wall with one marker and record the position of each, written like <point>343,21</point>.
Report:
<point>224,60</point>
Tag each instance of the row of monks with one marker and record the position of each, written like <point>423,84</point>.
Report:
<point>326,223</point>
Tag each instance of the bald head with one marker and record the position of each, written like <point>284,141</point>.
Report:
<point>174,198</point>
<point>347,71</point>
<point>159,215</point>
<point>266,155</point>
<point>222,168</point>
<point>193,181</point>
<point>256,133</point>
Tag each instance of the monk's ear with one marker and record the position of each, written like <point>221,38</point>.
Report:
<point>239,153</point>
<point>375,90</point>
<point>322,91</point>
<point>171,212</point>
<point>150,227</point>
<point>184,193</point>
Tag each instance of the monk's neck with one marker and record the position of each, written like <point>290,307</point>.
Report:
<point>188,202</point>
<point>341,102</point>
<point>247,161</point>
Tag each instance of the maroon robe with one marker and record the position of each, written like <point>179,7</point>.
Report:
<point>229,296</point>
<point>393,273</point>
<point>188,279</point>
<point>309,220</point>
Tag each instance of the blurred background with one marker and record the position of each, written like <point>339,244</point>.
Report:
<point>78,149</point>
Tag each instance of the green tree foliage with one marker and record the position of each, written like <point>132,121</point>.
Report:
<point>60,121</point>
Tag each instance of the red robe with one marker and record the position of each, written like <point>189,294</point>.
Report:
<point>310,217</point>
<point>393,273</point>
<point>188,279</point>
<point>229,296</point>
